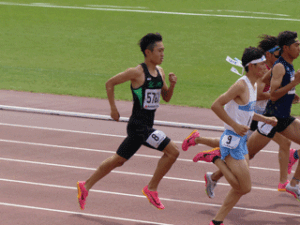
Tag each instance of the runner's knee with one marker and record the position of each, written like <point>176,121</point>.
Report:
<point>172,151</point>
<point>285,145</point>
<point>118,161</point>
<point>244,190</point>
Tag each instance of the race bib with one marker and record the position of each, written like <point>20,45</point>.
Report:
<point>152,99</point>
<point>230,141</point>
<point>264,128</point>
<point>156,138</point>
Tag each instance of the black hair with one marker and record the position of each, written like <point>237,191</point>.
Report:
<point>250,54</point>
<point>148,41</point>
<point>267,42</point>
<point>286,38</point>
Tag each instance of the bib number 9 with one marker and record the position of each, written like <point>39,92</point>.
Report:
<point>230,141</point>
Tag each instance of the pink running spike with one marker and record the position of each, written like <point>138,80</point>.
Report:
<point>281,187</point>
<point>207,156</point>
<point>152,196</point>
<point>82,194</point>
<point>190,140</point>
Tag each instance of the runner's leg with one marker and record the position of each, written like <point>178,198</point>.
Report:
<point>106,166</point>
<point>283,155</point>
<point>237,171</point>
<point>170,155</point>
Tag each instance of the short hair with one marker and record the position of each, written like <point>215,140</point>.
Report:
<point>148,41</point>
<point>286,38</point>
<point>250,54</point>
<point>267,42</point>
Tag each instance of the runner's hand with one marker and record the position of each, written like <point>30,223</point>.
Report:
<point>172,79</point>
<point>272,121</point>
<point>240,129</point>
<point>297,76</point>
<point>115,115</point>
<point>296,99</point>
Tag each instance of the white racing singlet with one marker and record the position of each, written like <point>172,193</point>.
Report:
<point>242,114</point>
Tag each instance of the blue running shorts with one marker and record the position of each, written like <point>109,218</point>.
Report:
<point>234,145</point>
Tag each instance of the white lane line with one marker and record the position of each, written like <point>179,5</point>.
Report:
<point>142,196</point>
<point>61,130</point>
<point>79,213</point>
<point>149,11</point>
<point>119,172</point>
<point>90,133</point>
<point>113,152</point>
<point>116,6</point>
<point>239,11</point>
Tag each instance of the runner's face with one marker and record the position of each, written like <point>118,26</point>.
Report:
<point>261,69</point>
<point>274,57</point>
<point>294,50</point>
<point>157,55</point>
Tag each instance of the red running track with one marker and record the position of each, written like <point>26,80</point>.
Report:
<point>43,156</point>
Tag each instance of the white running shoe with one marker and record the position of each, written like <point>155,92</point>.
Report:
<point>293,190</point>
<point>209,185</point>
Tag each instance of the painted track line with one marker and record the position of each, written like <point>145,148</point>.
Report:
<point>90,133</point>
<point>120,172</point>
<point>142,196</point>
<point>113,152</point>
<point>83,214</point>
<point>149,11</point>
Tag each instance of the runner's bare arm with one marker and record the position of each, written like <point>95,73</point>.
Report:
<point>276,90</point>
<point>261,95</point>
<point>269,120</point>
<point>267,77</point>
<point>234,93</point>
<point>167,92</point>
<point>131,74</point>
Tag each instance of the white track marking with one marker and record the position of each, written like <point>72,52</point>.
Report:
<point>142,196</point>
<point>61,130</point>
<point>112,152</point>
<point>150,12</point>
<point>238,11</point>
<point>116,6</point>
<point>86,132</point>
<point>79,213</point>
<point>118,172</point>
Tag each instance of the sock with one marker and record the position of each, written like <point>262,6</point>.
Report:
<point>296,156</point>
<point>217,222</point>
<point>215,158</point>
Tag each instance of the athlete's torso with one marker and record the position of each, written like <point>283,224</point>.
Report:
<point>146,98</point>
<point>242,114</point>
<point>282,107</point>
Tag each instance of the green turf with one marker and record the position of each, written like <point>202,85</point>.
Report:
<point>73,51</point>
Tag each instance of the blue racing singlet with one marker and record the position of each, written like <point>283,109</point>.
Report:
<point>282,107</point>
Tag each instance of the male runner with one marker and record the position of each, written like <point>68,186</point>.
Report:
<point>147,85</point>
<point>236,108</point>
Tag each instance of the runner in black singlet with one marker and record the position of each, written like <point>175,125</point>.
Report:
<point>145,102</point>
<point>147,85</point>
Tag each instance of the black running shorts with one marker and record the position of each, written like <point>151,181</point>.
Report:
<point>139,135</point>
<point>269,131</point>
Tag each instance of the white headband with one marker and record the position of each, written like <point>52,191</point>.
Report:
<point>238,63</point>
<point>262,59</point>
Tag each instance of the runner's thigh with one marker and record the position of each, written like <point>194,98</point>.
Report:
<point>240,169</point>
<point>292,131</point>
